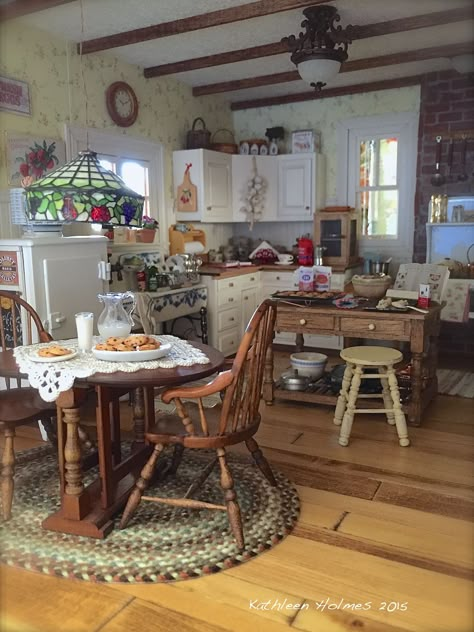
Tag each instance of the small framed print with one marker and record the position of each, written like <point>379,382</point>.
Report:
<point>304,141</point>
<point>14,96</point>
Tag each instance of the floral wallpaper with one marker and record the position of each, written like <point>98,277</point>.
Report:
<point>65,90</point>
<point>324,115</point>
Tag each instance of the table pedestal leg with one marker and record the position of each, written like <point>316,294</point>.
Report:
<point>138,418</point>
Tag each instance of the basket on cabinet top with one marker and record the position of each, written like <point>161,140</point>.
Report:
<point>198,138</point>
<point>227,148</point>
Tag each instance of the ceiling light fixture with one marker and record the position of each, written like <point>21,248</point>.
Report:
<point>319,52</point>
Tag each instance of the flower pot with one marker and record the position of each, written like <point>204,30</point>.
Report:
<point>146,235</point>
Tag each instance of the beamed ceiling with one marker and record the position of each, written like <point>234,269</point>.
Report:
<point>233,48</point>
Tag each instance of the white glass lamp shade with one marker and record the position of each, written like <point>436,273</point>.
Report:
<point>318,70</point>
<point>463,63</point>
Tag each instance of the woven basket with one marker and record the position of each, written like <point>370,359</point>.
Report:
<point>227,148</point>
<point>198,138</point>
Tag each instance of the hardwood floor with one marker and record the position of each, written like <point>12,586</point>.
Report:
<point>385,527</point>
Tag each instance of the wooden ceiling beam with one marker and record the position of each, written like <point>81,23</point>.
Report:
<point>277,48</point>
<point>196,22</point>
<point>17,8</point>
<point>349,66</point>
<point>359,88</point>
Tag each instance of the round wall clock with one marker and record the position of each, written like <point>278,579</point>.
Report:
<point>122,104</point>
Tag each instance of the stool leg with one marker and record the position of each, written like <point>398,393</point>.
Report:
<point>387,398</point>
<point>400,421</point>
<point>351,405</point>
<point>343,394</point>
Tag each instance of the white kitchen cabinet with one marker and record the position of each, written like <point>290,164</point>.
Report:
<point>300,186</point>
<point>242,172</point>
<point>230,305</point>
<point>211,173</point>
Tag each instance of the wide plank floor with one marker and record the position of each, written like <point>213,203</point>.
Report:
<point>385,531</point>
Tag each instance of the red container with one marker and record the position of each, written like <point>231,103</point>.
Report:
<point>305,251</point>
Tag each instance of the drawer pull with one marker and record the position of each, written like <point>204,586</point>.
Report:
<point>231,300</point>
<point>231,285</point>
<point>306,208</point>
<point>371,327</point>
<point>252,278</point>
<point>231,319</point>
<point>209,208</point>
<point>302,321</point>
<point>246,298</point>
<point>278,278</point>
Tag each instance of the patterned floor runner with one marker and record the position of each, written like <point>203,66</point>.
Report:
<point>161,543</point>
<point>451,382</point>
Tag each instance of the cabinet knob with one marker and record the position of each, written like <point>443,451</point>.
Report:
<point>306,208</point>
<point>209,208</point>
<point>231,285</point>
<point>231,319</point>
<point>371,327</point>
<point>302,321</point>
<point>231,300</point>
<point>277,278</point>
<point>252,278</point>
<point>246,298</point>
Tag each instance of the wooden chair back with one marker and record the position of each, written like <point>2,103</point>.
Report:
<point>242,397</point>
<point>19,324</point>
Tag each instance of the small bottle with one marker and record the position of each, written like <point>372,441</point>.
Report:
<point>141,281</point>
<point>152,279</point>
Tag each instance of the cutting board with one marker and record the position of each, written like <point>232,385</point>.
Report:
<point>187,193</point>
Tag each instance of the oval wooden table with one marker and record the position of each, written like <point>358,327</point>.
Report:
<point>88,509</point>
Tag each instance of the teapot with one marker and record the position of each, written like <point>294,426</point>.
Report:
<point>116,317</point>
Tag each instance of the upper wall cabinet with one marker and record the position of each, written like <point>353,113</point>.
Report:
<point>300,186</point>
<point>243,171</point>
<point>210,173</point>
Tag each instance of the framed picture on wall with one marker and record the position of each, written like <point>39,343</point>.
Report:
<point>32,156</point>
<point>14,96</point>
<point>304,141</point>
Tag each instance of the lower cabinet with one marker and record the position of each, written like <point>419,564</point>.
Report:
<point>233,300</point>
<point>231,303</point>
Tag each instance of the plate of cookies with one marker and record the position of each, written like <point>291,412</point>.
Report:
<point>133,348</point>
<point>53,353</point>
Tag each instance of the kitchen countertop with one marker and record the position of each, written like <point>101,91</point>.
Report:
<point>225,273</point>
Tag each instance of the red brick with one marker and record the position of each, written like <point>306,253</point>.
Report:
<point>463,104</point>
<point>447,117</point>
<point>464,82</point>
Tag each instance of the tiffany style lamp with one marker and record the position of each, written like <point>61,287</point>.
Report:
<point>83,191</point>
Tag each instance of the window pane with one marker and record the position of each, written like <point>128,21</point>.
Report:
<point>367,168</point>
<point>107,164</point>
<point>388,162</point>
<point>379,213</point>
<point>135,176</point>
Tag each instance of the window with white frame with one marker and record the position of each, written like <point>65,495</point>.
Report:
<point>377,162</point>
<point>135,174</point>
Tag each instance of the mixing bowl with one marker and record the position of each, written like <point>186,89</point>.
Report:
<point>309,364</point>
<point>371,285</point>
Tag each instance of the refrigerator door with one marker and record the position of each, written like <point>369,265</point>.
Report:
<point>71,285</point>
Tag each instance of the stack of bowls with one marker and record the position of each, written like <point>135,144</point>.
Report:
<point>309,364</point>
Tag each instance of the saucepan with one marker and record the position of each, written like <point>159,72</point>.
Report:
<point>379,267</point>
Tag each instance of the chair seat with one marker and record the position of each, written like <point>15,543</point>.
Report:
<point>21,405</point>
<point>169,426</point>
<point>371,355</point>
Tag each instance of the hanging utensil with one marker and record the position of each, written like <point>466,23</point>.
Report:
<point>462,177</point>
<point>438,179</point>
<point>450,159</point>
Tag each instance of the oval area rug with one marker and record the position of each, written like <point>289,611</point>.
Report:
<point>161,543</point>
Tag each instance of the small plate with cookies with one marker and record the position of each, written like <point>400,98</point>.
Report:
<point>132,348</point>
<point>53,353</point>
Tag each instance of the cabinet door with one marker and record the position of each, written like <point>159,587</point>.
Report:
<point>217,187</point>
<point>242,172</point>
<point>249,298</point>
<point>296,184</point>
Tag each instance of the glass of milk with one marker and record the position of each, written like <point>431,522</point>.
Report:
<point>84,326</point>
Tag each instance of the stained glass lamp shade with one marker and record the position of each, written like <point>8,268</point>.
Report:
<point>83,191</point>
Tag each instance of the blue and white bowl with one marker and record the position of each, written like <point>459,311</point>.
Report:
<point>309,364</point>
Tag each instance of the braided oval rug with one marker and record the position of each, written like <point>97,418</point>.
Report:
<point>161,543</point>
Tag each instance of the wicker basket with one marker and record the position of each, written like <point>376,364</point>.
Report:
<point>198,138</point>
<point>227,148</point>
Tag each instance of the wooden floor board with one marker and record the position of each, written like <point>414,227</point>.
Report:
<point>379,524</point>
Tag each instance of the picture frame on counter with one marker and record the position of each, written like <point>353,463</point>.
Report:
<point>14,96</point>
<point>305,141</point>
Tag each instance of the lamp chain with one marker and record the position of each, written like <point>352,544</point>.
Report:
<point>81,66</point>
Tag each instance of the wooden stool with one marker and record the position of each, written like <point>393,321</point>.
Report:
<point>382,359</point>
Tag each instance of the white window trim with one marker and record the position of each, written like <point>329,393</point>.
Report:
<point>405,127</point>
<point>78,139</point>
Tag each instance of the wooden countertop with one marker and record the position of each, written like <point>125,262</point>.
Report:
<point>225,273</point>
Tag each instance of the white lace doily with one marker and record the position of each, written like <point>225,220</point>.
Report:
<point>53,378</point>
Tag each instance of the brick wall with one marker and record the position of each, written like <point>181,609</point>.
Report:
<point>447,106</point>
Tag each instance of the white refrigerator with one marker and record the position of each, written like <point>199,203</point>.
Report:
<point>58,276</point>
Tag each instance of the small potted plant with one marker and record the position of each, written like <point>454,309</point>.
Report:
<point>148,228</point>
